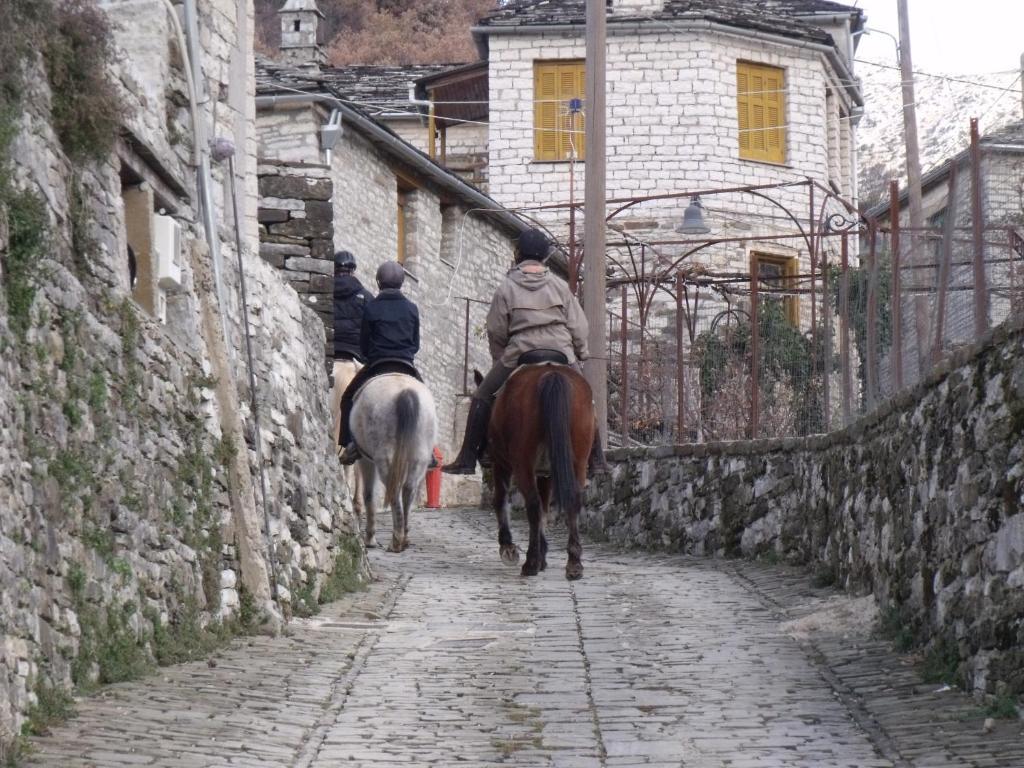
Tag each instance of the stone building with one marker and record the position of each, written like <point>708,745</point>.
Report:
<point>146,506</point>
<point>333,176</point>
<point>701,95</point>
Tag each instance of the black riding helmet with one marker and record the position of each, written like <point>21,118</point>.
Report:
<point>533,245</point>
<point>390,275</point>
<point>344,260</point>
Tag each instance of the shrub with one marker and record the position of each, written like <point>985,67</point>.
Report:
<point>87,108</point>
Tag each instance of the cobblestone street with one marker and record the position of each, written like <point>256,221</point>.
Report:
<point>452,658</point>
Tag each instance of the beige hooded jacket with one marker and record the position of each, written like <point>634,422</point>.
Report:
<point>533,309</point>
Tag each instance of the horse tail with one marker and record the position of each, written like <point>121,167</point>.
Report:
<point>407,416</point>
<point>555,400</point>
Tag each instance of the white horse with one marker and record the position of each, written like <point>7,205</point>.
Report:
<point>344,371</point>
<point>394,422</point>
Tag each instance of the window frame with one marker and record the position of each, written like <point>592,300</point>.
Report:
<point>789,280</point>
<point>747,100</point>
<point>565,139</point>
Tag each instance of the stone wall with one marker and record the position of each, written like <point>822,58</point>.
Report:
<point>296,219</point>
<point>131,523</point>
<point>921,503</point>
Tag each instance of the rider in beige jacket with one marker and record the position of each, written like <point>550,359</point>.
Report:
<point>531,310</point>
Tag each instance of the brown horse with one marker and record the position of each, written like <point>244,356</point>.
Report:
<point>541,431</point>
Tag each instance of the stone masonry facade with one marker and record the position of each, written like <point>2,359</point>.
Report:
<point>672,123</point>
<point>451,251</point>
<point>131,526</point>
<point>920,503</point>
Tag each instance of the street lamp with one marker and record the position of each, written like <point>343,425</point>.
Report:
<point>693,219</point>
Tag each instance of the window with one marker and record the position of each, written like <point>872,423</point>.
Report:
<point>762,112</point>
<point>557,126</point>
<point>776,275</point>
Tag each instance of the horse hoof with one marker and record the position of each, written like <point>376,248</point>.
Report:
<point>371,542</point>
<point>574,571</point>
<point>543,565</point>
<point>509,554</point>
<point>529,569</point>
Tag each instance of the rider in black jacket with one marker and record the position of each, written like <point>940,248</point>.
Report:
<point>350,300</point>
<point>389,340</point>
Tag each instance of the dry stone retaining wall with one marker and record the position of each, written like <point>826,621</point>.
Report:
<point>921,503</point>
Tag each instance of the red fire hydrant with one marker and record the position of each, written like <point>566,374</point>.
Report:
<point>434,481</point>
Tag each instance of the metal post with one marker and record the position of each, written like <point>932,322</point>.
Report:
<point>826,366</point>
<point>465,355</point>
<point>814,271</point>
<point>978,228</point>
<point>871,374</point>
<point>596,367</point>
<point>945,267</point>
<point>624,367</point>
<point>1016,299</point>
<point>680,364</point>
<point>574,268</point>
<point>844,331</point>
<point>755,350</point>
<point>897,297</point>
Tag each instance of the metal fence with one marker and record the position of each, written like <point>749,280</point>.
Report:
<point>770,353</point>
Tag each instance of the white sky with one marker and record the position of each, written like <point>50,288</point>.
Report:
<point>949,36</point>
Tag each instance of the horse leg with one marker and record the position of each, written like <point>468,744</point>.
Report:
<point>408,495</point>
<point>544,488</point>
<point>527,484</point>
<point>502,480</point>
<point>574,564</point>
<point>368,473</point>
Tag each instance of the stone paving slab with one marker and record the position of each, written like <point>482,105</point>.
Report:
<point>452,659</point>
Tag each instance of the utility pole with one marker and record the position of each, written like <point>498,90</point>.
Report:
<point>913,181</point>
<point>596,368</point>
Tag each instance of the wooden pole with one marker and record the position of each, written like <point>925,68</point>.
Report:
<point>913,180</point>
<point>431,131</point>
<point>624,367</point>
<point>596,368</point>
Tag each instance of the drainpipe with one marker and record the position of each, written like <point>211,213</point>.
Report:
<point>203,175</point>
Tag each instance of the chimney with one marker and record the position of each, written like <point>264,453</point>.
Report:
<point>302,35</point>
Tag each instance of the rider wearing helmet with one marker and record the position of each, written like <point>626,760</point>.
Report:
<point>350,298</point>
<point>531,310</point>
<point>389,339</point>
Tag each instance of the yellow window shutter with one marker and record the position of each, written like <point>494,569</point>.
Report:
<point>761,114</point>
<point>556,130</point>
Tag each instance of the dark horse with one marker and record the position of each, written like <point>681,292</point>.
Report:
<point>541,431</point>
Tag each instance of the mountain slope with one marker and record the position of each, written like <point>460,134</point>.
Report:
<point>944,110</point>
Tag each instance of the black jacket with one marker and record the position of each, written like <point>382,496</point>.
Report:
<point>391,328</point>
<point>350,299</point>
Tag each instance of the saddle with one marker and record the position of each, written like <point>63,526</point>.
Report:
<point>534,357</point>
<point>384,367</point>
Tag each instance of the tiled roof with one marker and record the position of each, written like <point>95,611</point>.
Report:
<point>785,17</point>
<point>1013,133</point>
<point>376,90</point>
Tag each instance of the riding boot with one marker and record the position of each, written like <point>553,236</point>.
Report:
<point>596,463</point>
<point>476,432</point>
<point>349,453</point>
